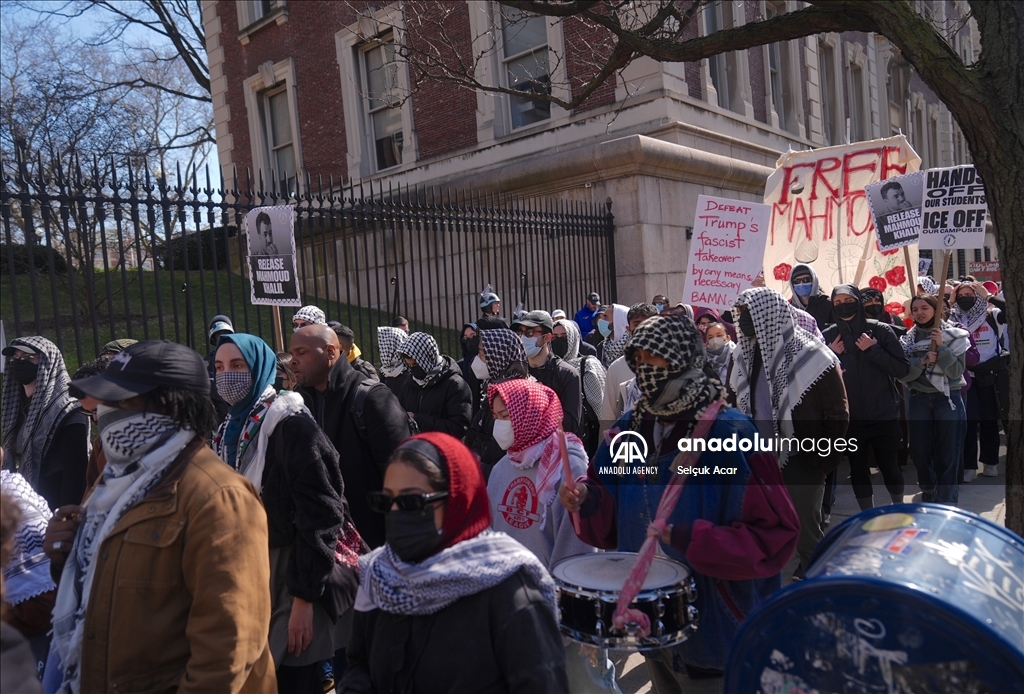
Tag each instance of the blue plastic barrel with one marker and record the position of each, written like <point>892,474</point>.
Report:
<point>918,598</point>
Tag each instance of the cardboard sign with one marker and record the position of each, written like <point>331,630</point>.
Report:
<point>924,266</point>
<point>270,232</point>
<point>726,251</point>
<point>985,271</point>
<point>954,209</point>
<point>896,209</point>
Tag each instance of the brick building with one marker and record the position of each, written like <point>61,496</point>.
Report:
<point>307,86</point>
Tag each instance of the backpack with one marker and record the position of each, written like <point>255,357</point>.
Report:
<point>359,406</point>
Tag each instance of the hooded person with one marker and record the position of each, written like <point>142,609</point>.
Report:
<point>620,390</point>
<point>734,532</point>
<point>790,383</point>
<point>272,440</point>
<point>449,604</point>
<point>45,432</point>
<point>592,375</point>
<point>392,369</point>
<point>807,295</point>
<point>115,346</point>
<point>704,317</point>
<point>718,348</point>
<point>434,393</point>
<point>501,357</point>
<point>873,360</point>
<point>615,335</point>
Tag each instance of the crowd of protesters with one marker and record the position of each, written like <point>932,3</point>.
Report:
<point>307,521</point>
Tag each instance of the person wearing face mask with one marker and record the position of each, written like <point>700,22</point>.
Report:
<point>874,309</point>
<point>164,568</point>
<point>392,369</point>
<point>45,432</point>
<point>449,605</point>
<point>565,343</point>
<point>803,281</point>
<point>619,375</point>
<point>719,347</point>
<point>272,440</point>
<point>97,460</point>
<point>615,333</point>
<point>535,331</point>
<point>872,360</point>
<point>789,382</point>
<point>704,317</point>
<point>284,377</point>
<point>936,351</point>
<point>433,393</point>
<point>735,532</point>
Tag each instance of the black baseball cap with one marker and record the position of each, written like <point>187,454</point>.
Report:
<point>594,298</point>
<point>535,319</point>
<point>144,366</point>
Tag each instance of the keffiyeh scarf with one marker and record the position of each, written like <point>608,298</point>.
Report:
<point>250,431</point>
<point>615,345</point>
<point>389,340</point>
<point>466,568</point>
<point>505,354</point>
<point>917,343</point>
<point>719,360</point>
<point>928,284</point>
<point>591,373</point>
<point>27,573</point>
<point>973,317</point>
<point>794,360</point>
<point>423,349</point>
<point>278,409</point>
<point>47,408</point>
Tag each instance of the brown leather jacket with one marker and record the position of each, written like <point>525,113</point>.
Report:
<point>181,597</point>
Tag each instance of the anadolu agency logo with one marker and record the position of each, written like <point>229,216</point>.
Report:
<point>628,448</point>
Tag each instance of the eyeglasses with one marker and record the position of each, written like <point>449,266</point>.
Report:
<point>22,356</point>
<point>803,280</point>
<point>409,503</point>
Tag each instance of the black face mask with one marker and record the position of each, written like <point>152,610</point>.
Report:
<point>746,323</point>
<point>845,311</point>
<point>560,346</point>
<point>412,536</point>
<point>926,326</point>
<point>873,310</point>
<point>23,371</point>
<point>279,383</point>
<point>966,303</point>
<point>418,372</point>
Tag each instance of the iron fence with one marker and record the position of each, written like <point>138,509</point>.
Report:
<point>110,251</point>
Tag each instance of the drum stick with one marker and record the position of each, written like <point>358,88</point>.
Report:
<point>567,471</point>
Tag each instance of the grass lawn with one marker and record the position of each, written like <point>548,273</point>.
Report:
<point>113,317</point>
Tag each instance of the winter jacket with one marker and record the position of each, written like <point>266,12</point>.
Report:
<point>362,460</point>
<point>563,378</point>
<point>503,640</point>
<point>491,323</point>
<point>394,383</point>
<point>585,319</point>
<point>823,413</point>
<point>181,597</point>
<point>366,368</point>
<point>870,375</point>
<point>64,464</point>
<point>819,305</point>
<point>445,405</point>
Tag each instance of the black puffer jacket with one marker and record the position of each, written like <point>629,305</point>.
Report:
<point>445,405</point>
<point>563,378</point>
<point>870,374</point>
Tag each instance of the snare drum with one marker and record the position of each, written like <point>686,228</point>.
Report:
<point>588,591</point>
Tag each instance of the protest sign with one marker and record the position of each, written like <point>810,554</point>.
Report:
<point>896,209</point>
<point>924,266</point>
<point>954,209</point>
<point>270,232</point>
<point>726,251</point>
<point>985,271</point>
<point>821,217</point>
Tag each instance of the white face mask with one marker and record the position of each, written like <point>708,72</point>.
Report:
<point>480,369</point>
<point>715,344</point>
<point>532,345</point>
<point>503,434</point>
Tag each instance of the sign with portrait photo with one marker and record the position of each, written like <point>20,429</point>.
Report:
<point>896,208</point>
<point>270,233</point>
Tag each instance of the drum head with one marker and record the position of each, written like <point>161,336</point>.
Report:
<point>608,571</point>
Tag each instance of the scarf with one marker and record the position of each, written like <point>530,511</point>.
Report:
<point>700,311</point>
<point>506,356</point>
<point>467,568</point>
<point>719,360</point>
<point>917,343</point>
<point>250,430</point>
<point>47,408</point>
<point>120,487</point>
<point>615,344</point>
<point>806,321</point>
<point>263,368</point>
<point>389,340</point>
<point>278,409</point>
<point>973,317</point>
<point>928,284</point>
<point>422,348</point>
<point>27,572</point>
<point>794,359</point>
<point>850,330</point>
<point>593,377</point>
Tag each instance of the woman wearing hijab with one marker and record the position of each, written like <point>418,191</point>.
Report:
<point>735,531</point>
<point>272,440</point>
<point>790,384</point>
<point>936,406</point>
<point>501,358</point>
<point>45,432</point>
<point>392,369</point>
<point>566,344</point>
<point>434,393</point>
<point>873,360</point>
<point>448,605</point>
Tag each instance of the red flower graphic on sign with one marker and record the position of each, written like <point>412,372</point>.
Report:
<point>896,276</point>
<point>894,307</point>
<point>877,283</point>
<point>782,272</point>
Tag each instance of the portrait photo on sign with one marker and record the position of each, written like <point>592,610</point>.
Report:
<point>896,209</point>
<point>272,267</point>
<point>262,237</point>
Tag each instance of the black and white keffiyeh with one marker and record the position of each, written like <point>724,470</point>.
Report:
<point>591,372</point>
<point>466,568</point>
<point>46,409</point>
<point>27,572</point>
<point>422,348</point>
<point>504,353</point>
<point>615,344</point>
<point>794,359</point>
<point>918,342</point>
<point>973,317</point>
<point>389,340</point>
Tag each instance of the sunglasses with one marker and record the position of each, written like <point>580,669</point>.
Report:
<point>803,280</point>
<point>409,503</point>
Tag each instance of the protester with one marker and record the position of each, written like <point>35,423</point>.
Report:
<point>565,343</point>
<point>449,605</point>
<point>936,406</point>
<point>169,516</point>
<point>490,307</point>
<point>585,317</point>
<point>735,533</point>
<point>523,489</point>
<point>115,346</point>
<point>97,460</point>
<point>595,336</point>
<point>219,325</point>
<point>873,360</point>
<point>365,427</point>
<point>615,333</point>
<point>874,309</point>
<point>272,440</point>
<point>308,315</point>
<point>284,377</point>
<point>347,340</point>
<point>704,317</point>
<point>619,373</point>
<point>660,302</point>
<point>535,331</point>
<point>45,432</point>
<point>718,348</point>
<point>973,311</point>
<point>392,368</point>
<point>434,394</point>
<point>402,323</point>
<point>17,664</point>
<point>790,384</point>
<point>803,281</point>
<point>502,357</point>
<point>558,314</point>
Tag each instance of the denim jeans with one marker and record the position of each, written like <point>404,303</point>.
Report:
<point>936,442</point>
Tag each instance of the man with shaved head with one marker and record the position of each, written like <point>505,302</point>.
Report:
<point>364,422</point>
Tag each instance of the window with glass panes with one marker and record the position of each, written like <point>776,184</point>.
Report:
<point>525,60</point>
<point>857,109</point>
<point>827,80</point>
<point>277,128</point>
<point>383,103</point>
<point>714,21</point>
